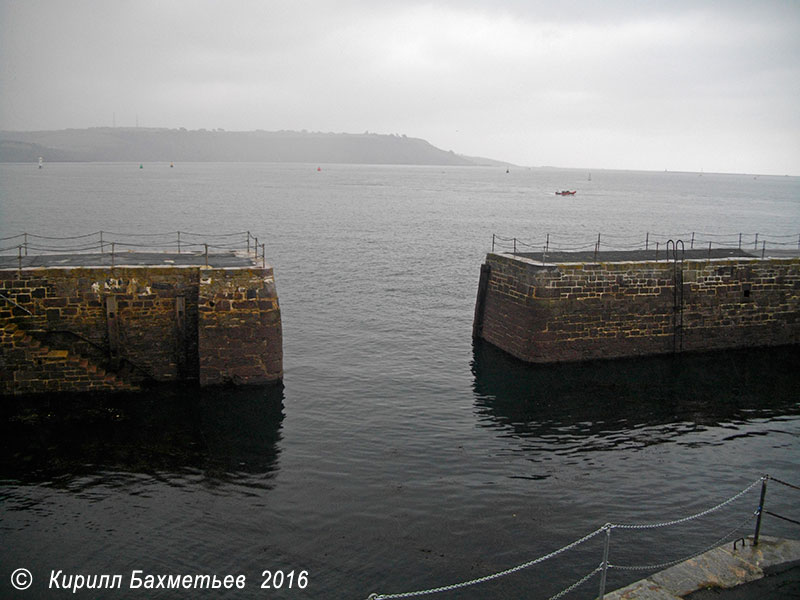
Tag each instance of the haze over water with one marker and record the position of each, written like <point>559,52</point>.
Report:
<point>397,456</point>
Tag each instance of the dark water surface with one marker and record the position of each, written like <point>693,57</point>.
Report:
<point>398,456</point>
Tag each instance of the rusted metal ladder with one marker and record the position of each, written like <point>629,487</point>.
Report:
<point>677,256</point>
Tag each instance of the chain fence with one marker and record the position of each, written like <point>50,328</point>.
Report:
<point>605,564</point>
<point>650,241</point>
<point>112,242</point>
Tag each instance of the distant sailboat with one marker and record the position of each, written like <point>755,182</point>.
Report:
<point>41,162</point>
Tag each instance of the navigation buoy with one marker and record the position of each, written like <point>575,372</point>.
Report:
<point>171,165</point>
<point>319,169</point>
<point>141,166</point>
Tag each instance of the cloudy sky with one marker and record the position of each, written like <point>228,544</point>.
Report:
<point>679,85</point>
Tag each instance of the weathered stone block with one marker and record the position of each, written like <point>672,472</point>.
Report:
<point>572,312</point>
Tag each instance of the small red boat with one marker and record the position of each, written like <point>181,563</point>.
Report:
<point>566,193</point>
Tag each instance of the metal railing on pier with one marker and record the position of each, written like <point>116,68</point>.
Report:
<point>606,530</point>
<point>114,243</point>
<point>548,243</point>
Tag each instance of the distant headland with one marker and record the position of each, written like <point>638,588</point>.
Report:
<point>128,144</point>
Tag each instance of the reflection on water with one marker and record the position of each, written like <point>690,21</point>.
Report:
<point>211,436</point>
<point>645,441</point>
<point>630,404</point>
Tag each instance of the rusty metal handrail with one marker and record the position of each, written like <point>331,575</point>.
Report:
<point>101,241</point>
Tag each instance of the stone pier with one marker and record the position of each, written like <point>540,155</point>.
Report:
<point>80,323</point>
<point>568,307</point>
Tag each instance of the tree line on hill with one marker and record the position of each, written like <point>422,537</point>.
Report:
<point>118,144</point>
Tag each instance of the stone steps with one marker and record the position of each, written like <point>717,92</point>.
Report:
<point>33,367</point>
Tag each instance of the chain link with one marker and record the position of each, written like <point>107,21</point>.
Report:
<point>463,584</point>
<point>486,578</point>
<point>680,560</point>
<point>691,517</point>
<point>784,483</point>
<point>577,584</point>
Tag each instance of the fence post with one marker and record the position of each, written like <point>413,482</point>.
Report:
<point>760,509</point>
<point>605,562</point>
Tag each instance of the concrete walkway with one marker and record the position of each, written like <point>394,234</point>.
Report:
<point>720,572</point>
<point>652,254</point>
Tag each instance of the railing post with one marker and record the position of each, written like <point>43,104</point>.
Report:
<point>547,244</point>
<point>691,246</point>
<point>709,249</point>
<point>248,242</point>
<point>255,250</point>
<point>113,244</point>
<point>206,245</point>
<point>647,242</point>
<point>605,562</point>
<point>263,256</point>
<point>760,509</point>
<point>19,259</point>
<point>740,241</point>
<point>755,243</point>
<point>515,246</point>
<point>763,248</point>
<point>26,244</point>
<point>656,250</point>
<point>102,245</point>
<point>179,242</point>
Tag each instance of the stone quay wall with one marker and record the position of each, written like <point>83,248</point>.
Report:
<point>543,312</point>
<point>87,328</point>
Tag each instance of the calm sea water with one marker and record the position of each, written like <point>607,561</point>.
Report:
<point>398,456</point>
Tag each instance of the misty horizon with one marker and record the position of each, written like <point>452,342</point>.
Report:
<point>682,86</point>
<point>470,160</point>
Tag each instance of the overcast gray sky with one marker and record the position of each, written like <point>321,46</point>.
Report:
<point>606,84</point>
